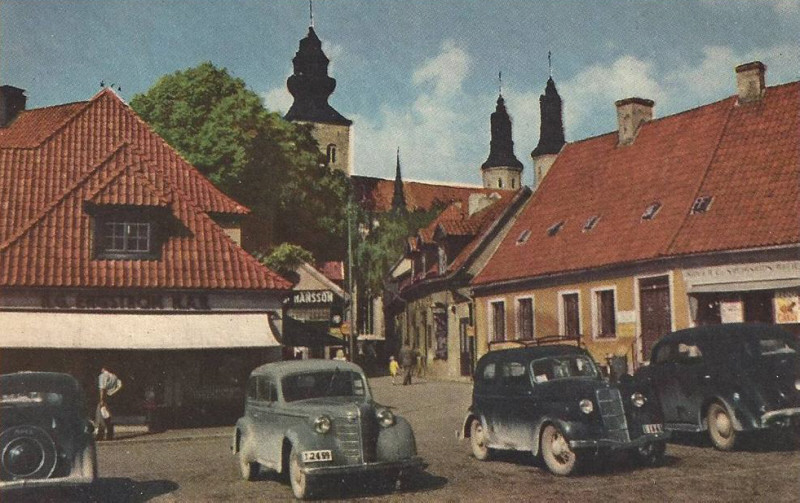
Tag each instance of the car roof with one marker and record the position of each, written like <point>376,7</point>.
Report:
<point>45,380</point>
<point>533,352</point>
<point>735,330</point>
<point>280,369</point>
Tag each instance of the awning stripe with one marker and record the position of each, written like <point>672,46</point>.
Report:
<point>134,331</point>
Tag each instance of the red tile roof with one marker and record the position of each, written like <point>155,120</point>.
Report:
<point>101,152</point>
<point>334,270</point>
<point>375,194</point>
<point>746,157</point>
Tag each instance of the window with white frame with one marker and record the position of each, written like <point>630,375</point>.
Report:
<point>498,320</point>
<point>605,316</point>
<point>127,237</point>
<point>525,318</point>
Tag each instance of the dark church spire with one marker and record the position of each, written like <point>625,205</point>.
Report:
<point>551,131</point>
<point>311,86</point>
<point>399,197</point>
<point>501,148</point>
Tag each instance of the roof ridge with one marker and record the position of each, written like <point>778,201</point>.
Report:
<point>707,169</point>
<point>58,200</point>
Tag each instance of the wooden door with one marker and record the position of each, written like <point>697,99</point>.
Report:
<point>654,311</point>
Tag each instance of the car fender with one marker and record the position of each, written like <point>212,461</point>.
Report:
<point>564,426</point>
<point>396,442</point>
<point>741,417</point>
<point>464,433</point>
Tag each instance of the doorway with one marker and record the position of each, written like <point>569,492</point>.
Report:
<point>655,311</point>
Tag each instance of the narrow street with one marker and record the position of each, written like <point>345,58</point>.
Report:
<point>196,465</point>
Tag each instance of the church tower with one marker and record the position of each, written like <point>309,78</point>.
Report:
<point>311,86</point>
<point>551,132</point>
<point>502,170</point>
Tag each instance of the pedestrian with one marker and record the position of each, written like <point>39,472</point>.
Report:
<point>407,361</point>
<point>393,368</point>
<point>108,385</point>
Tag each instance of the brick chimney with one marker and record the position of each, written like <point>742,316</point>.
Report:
<point>12,102</point>
<point>750,81</point>
<point>631,113</point>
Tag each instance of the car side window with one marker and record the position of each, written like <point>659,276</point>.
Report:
<point>513,375</point>
<point>264,393</point>
<point>689,352</point>
<point>252,388</point>
<point>489,373</point>
<point>665,353</point>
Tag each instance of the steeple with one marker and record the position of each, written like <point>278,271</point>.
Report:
<point>311,86</point>
<point>399,198</point>
<point>501,148</point>
<point>551,130</point>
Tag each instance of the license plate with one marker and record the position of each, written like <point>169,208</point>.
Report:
<point>316,456</point>
<point>653,428</point>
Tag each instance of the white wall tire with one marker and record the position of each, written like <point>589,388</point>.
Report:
<point>297,478</point>
<point>478,440</point>
<point>556,452</point>
<point>720,427</point>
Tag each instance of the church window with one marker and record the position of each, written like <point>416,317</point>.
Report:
<point>331,154</point>
<point>513,183</point>
<point>499,183</point>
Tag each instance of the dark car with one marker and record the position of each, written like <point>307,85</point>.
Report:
<point>553,401</point>
<point>316,418</point>
<point>45,437</point>
<point>726,379</point>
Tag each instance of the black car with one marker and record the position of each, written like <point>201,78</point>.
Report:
<point>553,401</point>
<point>45,437</point>
<point>726,379</point>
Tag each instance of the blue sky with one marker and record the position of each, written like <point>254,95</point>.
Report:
<point>418,74</point>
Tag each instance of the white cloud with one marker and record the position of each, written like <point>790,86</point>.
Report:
<point>277,99</point>
<point>446,71</point>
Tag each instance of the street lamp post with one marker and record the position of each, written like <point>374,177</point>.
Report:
<point>351,283</point>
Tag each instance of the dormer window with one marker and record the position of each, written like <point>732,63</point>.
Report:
<point>553,230</point>
<point>523,236</point>
<point>127,237</point>
<point>701,205</point>
<point>129,233</point>
<point>591,223</point>
<point>650,211</point>
<point>442,260</point>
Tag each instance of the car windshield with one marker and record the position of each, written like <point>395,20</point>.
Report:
<point>323,383</point>
<point>562,367</point>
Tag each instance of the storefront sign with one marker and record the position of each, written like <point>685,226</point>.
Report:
<point>127,302</point>
<point>787,307</point>
<point>626,316</point>
<point>742,277</point>
<point>731,311</point>
<point>305,297</point>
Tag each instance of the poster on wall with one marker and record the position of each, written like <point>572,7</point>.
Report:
<point>731,311</point>
<point>787,307</point>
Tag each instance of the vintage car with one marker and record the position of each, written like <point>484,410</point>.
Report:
<point>45,437</point>
<point>317,418</point>
<point>552,400</point>
<point>726,379</point>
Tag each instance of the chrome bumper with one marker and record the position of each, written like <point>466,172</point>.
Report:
<point>54,482</point>
<point>615,444</point>
<point>405,464</point>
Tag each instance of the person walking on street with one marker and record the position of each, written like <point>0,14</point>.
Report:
<point>393,368</point>
<point>407,361</point>
<point>108,384</point>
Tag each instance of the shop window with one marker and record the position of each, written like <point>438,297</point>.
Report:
<point>605,314</point>
<point>651,210</point>
<point>331,154</point>
<point>525,319</point>
<point>498,321</point>
<point>701,205</point>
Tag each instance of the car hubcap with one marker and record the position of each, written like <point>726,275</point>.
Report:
<point>722,424</point>
<point>561,450</point>
<point>23,457</point>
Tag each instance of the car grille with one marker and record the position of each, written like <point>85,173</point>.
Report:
<point>348,435</point>
<point>609,402</point>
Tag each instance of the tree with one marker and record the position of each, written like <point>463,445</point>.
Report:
<point>286,257</point>
<point>268,164</point>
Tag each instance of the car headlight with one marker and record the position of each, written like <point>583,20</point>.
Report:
<point>586,406</point>
<point>322,424</point>
<point>385,417</point>
<point>638,399</point>
<point>797,385</point>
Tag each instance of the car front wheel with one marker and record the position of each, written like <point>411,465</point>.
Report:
<point>720,427</point>
<point>556,452</point>
<point>297,478</point>
<point>478,442</point>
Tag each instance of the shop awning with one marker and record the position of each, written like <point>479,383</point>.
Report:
<point>134,331</point>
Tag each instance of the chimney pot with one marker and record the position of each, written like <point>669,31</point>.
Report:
<point>750,82</point>
<point>12,102</point>
<point>631,113</point>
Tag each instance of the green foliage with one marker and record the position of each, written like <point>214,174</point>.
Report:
<point>285,258</point>
<point>268,164</point>
<point>385,245</point>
